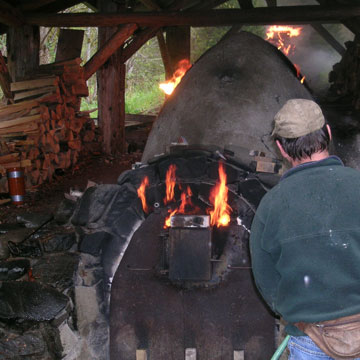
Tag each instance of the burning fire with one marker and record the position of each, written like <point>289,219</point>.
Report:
<point>220,215</point>
<point>168,86</point>
<point>279,36</point>
<point>170,182</point>
<point>141,193</point>
<point>185,202</point>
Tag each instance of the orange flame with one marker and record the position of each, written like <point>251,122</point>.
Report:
<point>185,201</point>
<point>170,182</point>
<point>141,193</point>
<point>282,34</point>
<point>168,86</point>
<point>220,215</point>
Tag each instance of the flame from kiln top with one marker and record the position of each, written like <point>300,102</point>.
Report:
<point>220,215</point>
<point>141,193</point>
<point>281,32</point>
<point>168,86</point>
<point>278,29</point>
<point>170,182</point>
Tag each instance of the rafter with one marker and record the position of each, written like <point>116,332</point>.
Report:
<point>9,15</point>
<point>108,49</point>
<point>223,17</point>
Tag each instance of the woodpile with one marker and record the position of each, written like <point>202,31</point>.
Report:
<point>44,129</point>
<point>344,77</point>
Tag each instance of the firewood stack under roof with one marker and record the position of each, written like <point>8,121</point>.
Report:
<point>44,129</point>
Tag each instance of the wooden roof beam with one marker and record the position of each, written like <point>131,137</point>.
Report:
<point>223,17</point>
<point>101,56</point>
<point>329,38</point>
<point>9,15</point>
<point>353,24</point>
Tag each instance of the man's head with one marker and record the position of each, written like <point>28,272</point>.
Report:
<point>300,130</point>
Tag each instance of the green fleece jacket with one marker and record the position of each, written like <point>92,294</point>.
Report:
<point>305,243</point>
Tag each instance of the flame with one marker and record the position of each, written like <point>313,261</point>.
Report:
<point>168,86</point>
<point>185,201</point>
<point>220,215</point>
<point>170,182</point>
<point>141,193</point>
<point>279,34</point>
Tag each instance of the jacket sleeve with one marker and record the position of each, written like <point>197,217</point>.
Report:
<point>263,266</point>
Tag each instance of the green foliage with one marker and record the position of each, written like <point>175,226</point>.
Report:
<point>144,100</point>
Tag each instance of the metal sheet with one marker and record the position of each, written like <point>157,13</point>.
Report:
<point>190,254</point>
<point>148,312</point>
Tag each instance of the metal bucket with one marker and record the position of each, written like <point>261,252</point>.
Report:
<point>16,185</point>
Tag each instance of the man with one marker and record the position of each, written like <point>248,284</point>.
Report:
<point>305,237</point>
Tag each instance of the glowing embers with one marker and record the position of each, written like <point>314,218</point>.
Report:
<point>219,212</point>
<point>168,86</point>
<point>280,35</point>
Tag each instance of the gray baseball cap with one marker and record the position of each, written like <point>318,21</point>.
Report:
<point>298,117</point>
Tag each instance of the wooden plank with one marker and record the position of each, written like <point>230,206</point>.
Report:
<point>23,50</point>
<point>69,44</point>
<point>32,84</point>
<point>139,119</point>
<point>19,121</point>
<point>108,49</point>
<point>222,17</point>
<point>14,108</point>
<point>26,94</point>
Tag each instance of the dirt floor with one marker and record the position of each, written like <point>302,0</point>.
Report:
<point>100,169</point>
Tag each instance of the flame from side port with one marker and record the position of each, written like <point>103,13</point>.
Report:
<point>168,86</point>
<point>141,193</point>
<point>185,201</point>
<point>170,182</point>
<point>220,215</point>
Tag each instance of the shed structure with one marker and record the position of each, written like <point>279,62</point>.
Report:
<point>126,25</point>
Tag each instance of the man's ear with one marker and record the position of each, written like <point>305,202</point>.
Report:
<point>282,151</point>
<point>329,131</point>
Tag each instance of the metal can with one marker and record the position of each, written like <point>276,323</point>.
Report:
<point>16,182</point>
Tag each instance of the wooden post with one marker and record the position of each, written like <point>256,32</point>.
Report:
<point>23,45</point>
<point>5,79</point>
<point>178,44</point>
<point>111,92</point>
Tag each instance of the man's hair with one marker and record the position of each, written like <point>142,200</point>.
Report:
<point>307,145</point>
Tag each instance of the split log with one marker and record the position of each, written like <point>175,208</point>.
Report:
<point>33,84</point>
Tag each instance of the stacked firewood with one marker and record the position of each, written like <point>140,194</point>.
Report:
<point>44,129</point>
<point>344,76</point>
